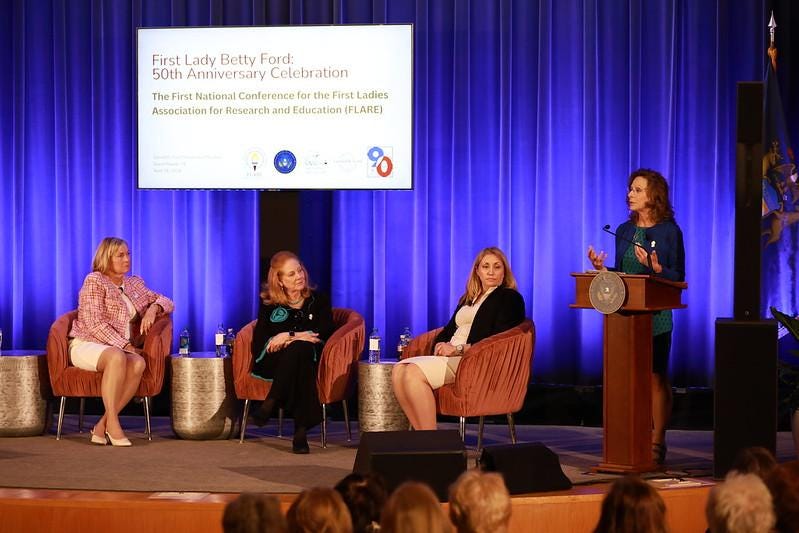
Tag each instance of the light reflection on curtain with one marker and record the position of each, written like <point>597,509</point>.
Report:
<point>529,116</point>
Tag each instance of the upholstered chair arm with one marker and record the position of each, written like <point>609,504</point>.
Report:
<point>493,374</point>
<point>242,359</point>
<point>340,354</point>
<point>58,346</point>
<point>157,346</point>
<point>422,344</point>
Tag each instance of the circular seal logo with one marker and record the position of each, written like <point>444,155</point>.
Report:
<point>607,292</point>
<point>285,161</point>
<point>279,315</point>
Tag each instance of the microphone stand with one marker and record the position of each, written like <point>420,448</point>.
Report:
<point>606,229</point>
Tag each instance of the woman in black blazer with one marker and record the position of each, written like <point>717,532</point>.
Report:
<point>490,305</point>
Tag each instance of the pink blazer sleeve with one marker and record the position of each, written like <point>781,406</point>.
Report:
<point>142,297</point>
<point>93,322</point>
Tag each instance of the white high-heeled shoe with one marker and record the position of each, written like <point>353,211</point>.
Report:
<point>98,439</point>
<point>124,441</point>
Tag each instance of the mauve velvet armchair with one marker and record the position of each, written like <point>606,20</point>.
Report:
<point>491,379</point>
<point>70,381</point>
<point>335,379</point>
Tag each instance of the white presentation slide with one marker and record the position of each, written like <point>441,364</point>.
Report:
<point>300,107</point>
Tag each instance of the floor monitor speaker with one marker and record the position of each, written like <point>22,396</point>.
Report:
<point>433,457</point>
<point>526,467</point>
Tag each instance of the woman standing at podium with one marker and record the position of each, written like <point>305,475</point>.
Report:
<point>661,253</point>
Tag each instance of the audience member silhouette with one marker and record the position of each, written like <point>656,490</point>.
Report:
<point>741,504</point>
<point>755,460</point>
<point>783,482</point>
<point>632,506</point>
<point>364,495</point>
<point>319,510</point>
<point>479,503</point>
<point>254,513</point>
<point>411,508</point>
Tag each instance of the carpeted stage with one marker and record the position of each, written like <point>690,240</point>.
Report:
<point>172,484</point>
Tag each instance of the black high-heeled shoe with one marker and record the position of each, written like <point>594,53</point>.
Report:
<point>300,447</point>
<point>299,444</point>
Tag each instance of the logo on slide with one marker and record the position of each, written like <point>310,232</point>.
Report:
<point>285,161</point>
<point>380,163</point>
<point>254,160</point>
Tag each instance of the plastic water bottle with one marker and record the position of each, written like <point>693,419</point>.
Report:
<point>229,338</point>
<point>183,345</point>
<point>374,346</point>
<point>404,341</point>
<point>219,340</point>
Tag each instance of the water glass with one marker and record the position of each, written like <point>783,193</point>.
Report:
<point>1,339</point>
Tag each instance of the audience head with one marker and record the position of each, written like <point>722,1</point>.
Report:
<point>364,495</point>
<point>413,507</point>
<point>741,504</point>
<point>283,263</point>
<point>479,503</point>
<point>319,510</point>
<point>474,285</point>
<point>254,513</point>
<point>657,189</point>
<point>105,252</point>
<point>755,460</point>
<point>632,506</point>
<point>783,482</point>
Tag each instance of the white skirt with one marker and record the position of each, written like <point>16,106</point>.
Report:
<point>86,354</point>
<point>437,369</point>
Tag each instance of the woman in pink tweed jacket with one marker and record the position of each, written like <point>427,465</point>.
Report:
<point>102,337</point>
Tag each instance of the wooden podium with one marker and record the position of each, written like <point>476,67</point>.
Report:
<point>627,387</point>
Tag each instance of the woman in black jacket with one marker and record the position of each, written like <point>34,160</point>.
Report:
<point>294,321</point>
<point>490,305</point>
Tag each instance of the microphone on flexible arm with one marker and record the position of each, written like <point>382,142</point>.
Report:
<point>606,229</point>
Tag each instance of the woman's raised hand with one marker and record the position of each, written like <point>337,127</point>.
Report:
<point>597,258</point>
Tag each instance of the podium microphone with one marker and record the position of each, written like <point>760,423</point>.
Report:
<point>606,229</point>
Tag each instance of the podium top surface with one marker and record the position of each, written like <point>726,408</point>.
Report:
<point>644,293</point>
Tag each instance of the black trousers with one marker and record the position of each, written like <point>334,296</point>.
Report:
<point>293,374</point>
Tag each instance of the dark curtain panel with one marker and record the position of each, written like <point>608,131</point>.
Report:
<point>529,116</point>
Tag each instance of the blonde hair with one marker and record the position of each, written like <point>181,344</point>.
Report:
<point>479,503</point>
<point>474,288</point>
<point>413,507</point>
<point>319,510</point>
<point>105,251</point>
<point>741,504</point>
<point>271,290</point>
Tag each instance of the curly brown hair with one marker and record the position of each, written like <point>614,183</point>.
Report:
<point>658,191</point>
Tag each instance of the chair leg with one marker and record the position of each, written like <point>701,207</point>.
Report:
<point>462,428</point>
<point>324,425</point>
<point>512,428</point>
<point>347,420</point>
<point>80,415</point>
<point>148,429</point>
<point>60,417</point>
<point>280,423</point>
<point>244,419</point>
<point>480,435</point>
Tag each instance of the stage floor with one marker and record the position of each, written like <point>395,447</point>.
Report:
<point>264,462</point>
<point>169,484</point>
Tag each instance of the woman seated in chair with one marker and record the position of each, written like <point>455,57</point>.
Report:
<point>102,338</point>
<point>293,323</point>
<point>489,306</point>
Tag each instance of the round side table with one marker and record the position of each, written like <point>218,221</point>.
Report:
<point>24,391</point>
<point>203,399</point>
<point>378,409</point>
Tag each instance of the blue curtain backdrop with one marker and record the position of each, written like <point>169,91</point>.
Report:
<point>529,115</point>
